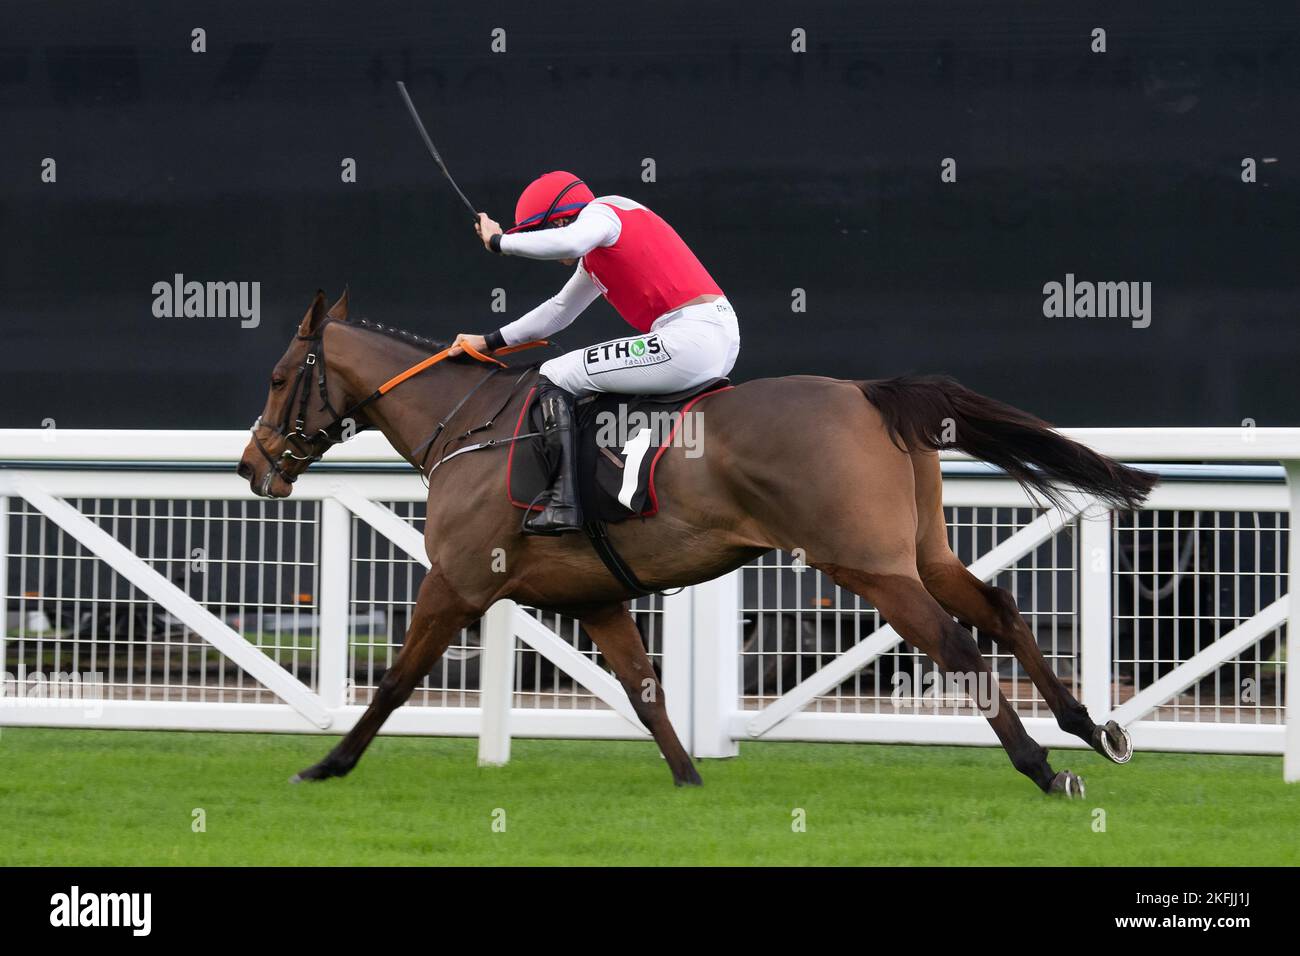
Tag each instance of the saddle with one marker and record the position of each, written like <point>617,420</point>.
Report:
<point>620,441</point>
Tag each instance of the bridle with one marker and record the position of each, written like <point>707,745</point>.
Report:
<point>300,446</point>
<point>299,395</point>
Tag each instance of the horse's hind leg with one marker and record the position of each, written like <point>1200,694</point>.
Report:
<point>904,602</point>
<point>612,629</point>
<point>993,610</point>
<point>439,615</point>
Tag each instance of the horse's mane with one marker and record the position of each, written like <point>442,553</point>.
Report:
<point>402,335</point>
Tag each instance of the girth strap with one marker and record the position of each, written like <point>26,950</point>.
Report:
<point>598,534</point>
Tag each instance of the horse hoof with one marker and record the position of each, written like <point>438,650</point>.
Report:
<point>690,780</point>
<point>315,772</point>
<point>1068,785</point>
<point>1113,742</point>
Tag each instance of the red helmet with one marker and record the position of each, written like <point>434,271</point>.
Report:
<point>556,195</point>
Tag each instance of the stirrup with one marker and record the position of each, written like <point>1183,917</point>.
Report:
<point>552,520</point>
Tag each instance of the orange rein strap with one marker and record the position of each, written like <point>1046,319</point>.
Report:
<point>432,360</point>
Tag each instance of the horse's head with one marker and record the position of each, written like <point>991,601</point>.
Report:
<point>300,419</point>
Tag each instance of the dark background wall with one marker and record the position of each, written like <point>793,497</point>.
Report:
<point>818,171</point>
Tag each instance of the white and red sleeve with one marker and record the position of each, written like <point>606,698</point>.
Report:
<point>555,313</point>
<point>596,226</point>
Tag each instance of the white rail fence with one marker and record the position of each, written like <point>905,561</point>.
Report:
<point>138,564</point>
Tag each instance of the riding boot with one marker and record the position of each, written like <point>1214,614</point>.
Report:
<point>561,510</point>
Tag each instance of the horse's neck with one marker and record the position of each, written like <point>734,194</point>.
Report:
<point>406,415</point>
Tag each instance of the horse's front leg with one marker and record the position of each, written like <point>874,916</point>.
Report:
<point>439,615</point>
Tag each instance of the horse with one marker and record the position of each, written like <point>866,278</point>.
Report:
<point>846,471</point>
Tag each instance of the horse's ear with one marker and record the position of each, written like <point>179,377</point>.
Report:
<point>339,310</point>
<point>311,321</point>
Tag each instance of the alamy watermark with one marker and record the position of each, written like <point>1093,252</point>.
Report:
<point>1085,299</point>
<point>37,690</point>
<point>179,299</point>
<point>133,911</point>
<point>948,689</point>
<point>626,431</point>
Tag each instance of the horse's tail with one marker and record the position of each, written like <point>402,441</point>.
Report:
<point>935,411</point>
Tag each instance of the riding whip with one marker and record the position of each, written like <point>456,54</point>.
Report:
<point>433,150</point>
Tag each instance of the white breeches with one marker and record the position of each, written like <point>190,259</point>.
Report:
<point>684,348</point>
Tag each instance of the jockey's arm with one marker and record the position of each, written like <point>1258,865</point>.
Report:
<point>597,225</point>
<point>555,313</point>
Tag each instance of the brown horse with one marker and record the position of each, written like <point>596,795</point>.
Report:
<point>846,471</point>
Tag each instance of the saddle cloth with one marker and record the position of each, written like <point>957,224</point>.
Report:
<point>620,439</point>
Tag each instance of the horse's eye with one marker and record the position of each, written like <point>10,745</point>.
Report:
<point>277,383</point>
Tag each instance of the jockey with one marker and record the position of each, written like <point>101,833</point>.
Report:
<point>686,330</point>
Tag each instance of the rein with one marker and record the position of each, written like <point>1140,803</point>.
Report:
<point>303,447</point>
<point>478,446</point>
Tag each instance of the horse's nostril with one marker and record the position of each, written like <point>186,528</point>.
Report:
<point>245,470</point>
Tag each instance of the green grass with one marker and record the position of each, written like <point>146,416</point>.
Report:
<point>125,798</point>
